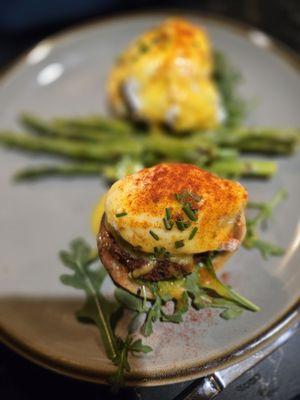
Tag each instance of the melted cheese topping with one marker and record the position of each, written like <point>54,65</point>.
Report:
<point>165,76</point>
<point>144,197</point>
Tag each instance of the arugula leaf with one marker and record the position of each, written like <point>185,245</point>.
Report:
<point>138,346</point>
<point>209,280</point>
<point>231,309</point>
<point>200,298</point>
<point>153,314</point>
<point>130,301</point>
<point>135,304</point>
<point>265,211</point>
<point>181,307</point>
<point>97,308</point>
<point>266,248</point>
<point>117,379</point>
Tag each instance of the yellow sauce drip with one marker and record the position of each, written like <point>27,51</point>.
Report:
<point>174,289</point>
<point>96,215</point>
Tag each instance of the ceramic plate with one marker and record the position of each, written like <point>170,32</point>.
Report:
<point>66,75</point>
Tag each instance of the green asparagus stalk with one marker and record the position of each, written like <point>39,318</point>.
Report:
<point>91,124</point>
<point>248,168</point>
<point>177,149</point>
<point>65,129</point>
<point>97,123</point>
<point>227,169</point>
<point>44,171</point>
<point>259,139</point>
<point>112,172</point>
<point>161,147</point>
<point>245,139</point>
<point>68,149</point>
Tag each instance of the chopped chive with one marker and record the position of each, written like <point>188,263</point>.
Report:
<point>154,235</point>
<point>168,224</point>
<point>161,252</point>
<point>180,225</point>
<point>193,233</point>
<point>185,195</point>
<point>181,197</point>
<point>179,243</point>
<point>143,48</point>
<point>195,196</point>
<point>189,212</point>
<point>122,214</point>
<point>168,213</point>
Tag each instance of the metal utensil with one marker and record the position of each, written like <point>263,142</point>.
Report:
<point>209,386</point>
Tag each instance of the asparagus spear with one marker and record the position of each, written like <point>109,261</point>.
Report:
<point>178,149</point>
<point>44,171</point>
<point>228,169</point>
<point>245,139</point>
<point>65,129</point>
<point>98,123</point>
<point>74,150</point>
<point>258,139</point>
<point>84,128</point>
<point>250,168</point>
<point>161,147</point>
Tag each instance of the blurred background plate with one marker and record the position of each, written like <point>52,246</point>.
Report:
<point>66,75</point>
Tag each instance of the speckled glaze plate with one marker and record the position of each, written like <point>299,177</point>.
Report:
<point>66,75</point>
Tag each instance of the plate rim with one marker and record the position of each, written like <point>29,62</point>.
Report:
<point>287,319</point>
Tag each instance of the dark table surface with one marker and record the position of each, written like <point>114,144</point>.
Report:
<point>278,376</point>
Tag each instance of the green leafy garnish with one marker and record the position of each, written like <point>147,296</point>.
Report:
<point>154,235</point>
<point>179,243</point>
<point>139,306</point>
<point>130,301</point>
<point>209,280</point>
<point>181,307</point>
<point>168,223</point>
<point>187,196</point>
<point>168,213</point>
<point>193,233</point>
<point>153,314</point>
<point>161,252</point>
<point>187,209</point>
<point>181,225</point>
<point>231,309</point>
<point>97,309</point>
<point>201,299</point>
<point>265,211</point>
<point>129,345</point>
<point>122,214</point>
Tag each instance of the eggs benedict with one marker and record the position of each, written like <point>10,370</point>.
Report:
<point>166,77</point>
<point>162,221</point>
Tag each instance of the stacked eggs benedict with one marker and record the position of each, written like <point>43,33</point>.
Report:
<point>165,77</point>
<point>160,222</point>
